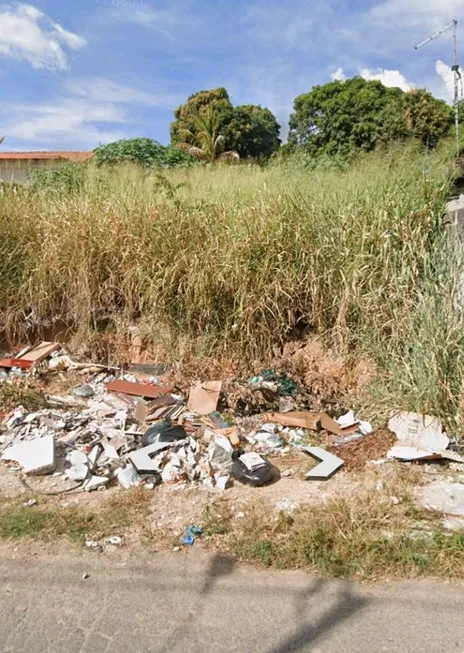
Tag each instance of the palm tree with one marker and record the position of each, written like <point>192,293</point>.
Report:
<point>207,144</point>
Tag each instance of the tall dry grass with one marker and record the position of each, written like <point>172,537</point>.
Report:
<point>243,258</point>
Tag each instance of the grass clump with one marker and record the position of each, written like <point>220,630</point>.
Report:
<point>20,394</point>
<point>48,522</point>
<point>365,536</point>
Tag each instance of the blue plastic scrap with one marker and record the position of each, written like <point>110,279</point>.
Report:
<point>190,533</point>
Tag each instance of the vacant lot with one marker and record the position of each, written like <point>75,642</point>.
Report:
<point>233,262</point>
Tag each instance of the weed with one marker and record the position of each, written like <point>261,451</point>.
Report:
<point>213,523</point>
<point>364,536</point>
<point>13,395</point>
<point>47,521</point>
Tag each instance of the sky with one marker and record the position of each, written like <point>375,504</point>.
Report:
<point>79,73</point>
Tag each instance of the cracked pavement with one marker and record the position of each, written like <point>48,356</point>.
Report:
<point>193,601</point>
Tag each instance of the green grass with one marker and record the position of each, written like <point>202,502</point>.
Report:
<point>48,522</point>
<point>235,261</point>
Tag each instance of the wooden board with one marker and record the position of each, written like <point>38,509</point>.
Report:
<point>305,420</point>
<point>15,362</point>
<point>40,352</point>
<point>137,389</point>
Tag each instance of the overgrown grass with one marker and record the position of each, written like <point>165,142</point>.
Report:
<point>365,536</point>
<point>47,521</point>
<point>241,259</point>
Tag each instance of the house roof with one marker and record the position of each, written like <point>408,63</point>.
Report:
<point>31,156</point>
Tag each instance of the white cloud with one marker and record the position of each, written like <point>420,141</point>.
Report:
<point>101,89</point>
<point>338,75</point>
<point>64,122</point>
<point>446,91</point>
<point>91,111</point>
<point>29,35</point>
<point>417,13</point>
<point>389,78</point>
<point>160,20</point>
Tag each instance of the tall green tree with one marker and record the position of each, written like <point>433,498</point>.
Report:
<point>250,130</point>
<point>205,143</point>
<point>254,131</point>
<point>197,105</point>
<point>341,117</point>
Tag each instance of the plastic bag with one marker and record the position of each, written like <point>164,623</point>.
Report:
<point>165,432</point>
<point>257,476</point>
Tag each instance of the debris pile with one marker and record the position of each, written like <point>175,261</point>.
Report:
<point>133,428</point>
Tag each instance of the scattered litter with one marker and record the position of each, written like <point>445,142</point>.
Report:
<point>191,532</point>
<point>114,541</point>
<point>328,466</point>
<point>95,483</point>
<point>85,576</point>
<point>78,472</point>
<point>204,397</point>
<point>421,431</point>
<point>128,477</point>
<point>84,391</point>
<point>30,503</point>
<point>164,432</point>
<point>306,420</point>
<point>252,469</point>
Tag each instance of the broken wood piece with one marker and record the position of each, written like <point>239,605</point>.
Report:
<point>141,411</point>
<point>15,362</point>
<point>40,352</point>
<point>305,420</point>
<point>329,464</point>
<point>204,397</point>
<point>137,389</point>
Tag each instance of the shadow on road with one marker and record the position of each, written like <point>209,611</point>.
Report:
<point>305,627</point>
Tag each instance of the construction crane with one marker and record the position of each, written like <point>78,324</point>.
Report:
<point>455,68</point>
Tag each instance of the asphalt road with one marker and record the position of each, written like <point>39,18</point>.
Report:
<point>197,602</point>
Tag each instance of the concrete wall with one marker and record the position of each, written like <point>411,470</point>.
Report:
<point>17,170</point>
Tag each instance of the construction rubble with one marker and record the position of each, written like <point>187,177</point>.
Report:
<point>132,428</point>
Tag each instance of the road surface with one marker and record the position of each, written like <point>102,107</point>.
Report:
<point>199,602</point>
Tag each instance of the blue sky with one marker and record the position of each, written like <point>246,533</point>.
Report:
<point>77,73</point>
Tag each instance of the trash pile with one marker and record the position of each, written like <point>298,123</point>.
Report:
<point>133,429</point>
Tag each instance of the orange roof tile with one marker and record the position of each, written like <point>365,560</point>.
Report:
<point>30,156</point>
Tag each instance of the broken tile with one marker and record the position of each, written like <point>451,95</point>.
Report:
<point>141,458</point>
<point>329,464</point>
<point>35,456</point>
<point>95,482</point>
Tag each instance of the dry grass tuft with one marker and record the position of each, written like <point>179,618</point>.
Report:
<point>374,534</point>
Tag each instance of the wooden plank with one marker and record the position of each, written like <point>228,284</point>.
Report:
<point>137,389</point>
<point>40,352</point>
<point>305,420</point>
<point>15,362</point>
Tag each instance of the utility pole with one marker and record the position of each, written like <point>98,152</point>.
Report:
<point>457,75</point>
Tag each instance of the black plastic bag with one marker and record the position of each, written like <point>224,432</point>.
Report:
<point>256,477</point>
<point>165,432</point>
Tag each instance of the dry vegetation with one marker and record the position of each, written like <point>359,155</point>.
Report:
<point>238,261</point>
